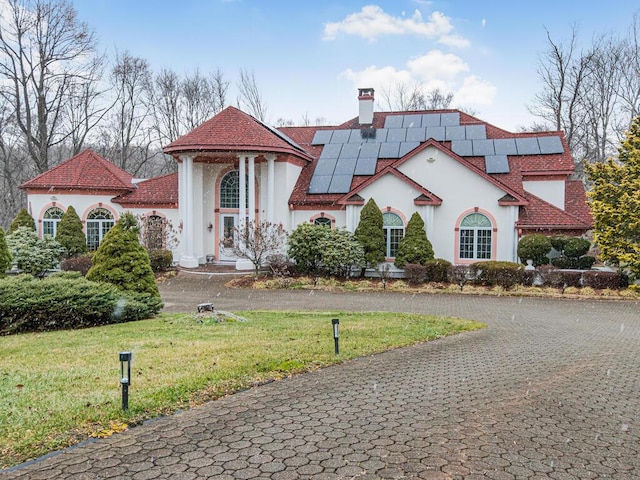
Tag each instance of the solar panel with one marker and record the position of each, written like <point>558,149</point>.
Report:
<point>397,135</point>
<point>340,184</point>
<point>454,133</point>
<point>340,136</point>
<point>394,121</point>
<point>381,135</point>
<point>527,146</point>
<point>355,136</point>
<point>437,133</point>
<point>369,150</point>
<point>412,121</point>
<point>389,150</point>
<point>431,120</point>
<point>320,184</point>
<point>449,119</point>
<point>416,134</point>
<point>325,166</point>
<point>366,166</point>
<point>476,132</point>
<point>331,150</point>
<point>551,144</point>
<point>350,150</point>
<point>483,147</point>
<point>406,147</point>
<point>505,146</point>
<point>496,164</point>
<point>322,137</point>
<point>464,148</point>
<point>345,166</point>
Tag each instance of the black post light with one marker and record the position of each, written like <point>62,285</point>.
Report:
<point>125,377</point>
<point>335,322</point>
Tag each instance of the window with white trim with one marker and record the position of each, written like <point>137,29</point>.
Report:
<point>230,190</point>
<point>99,222</point>
<point>475,237</point>
<point>393,226</point>
<point>323,221</point>
<point>50,221</point>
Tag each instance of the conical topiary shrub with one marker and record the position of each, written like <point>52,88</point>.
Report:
<point>123,262</point>
<point>415,247</point>
<point>69,234</point>
<point>370,233</point>
<point>23,219</point>
<point>5,256</point>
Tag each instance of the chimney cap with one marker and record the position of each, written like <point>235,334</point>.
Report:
<point>365,92</point>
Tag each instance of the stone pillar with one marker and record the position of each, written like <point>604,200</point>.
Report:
<point>188,259</point>
<point>271,188</point>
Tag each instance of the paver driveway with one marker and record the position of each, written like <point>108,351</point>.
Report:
<point>551,389</point>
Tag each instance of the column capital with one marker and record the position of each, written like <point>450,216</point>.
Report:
<point>185,156</point>
<point>270,157</point>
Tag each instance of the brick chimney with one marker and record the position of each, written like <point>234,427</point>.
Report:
<point>365,99</point>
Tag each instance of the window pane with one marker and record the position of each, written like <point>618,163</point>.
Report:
<point>325,222</point>
<point>484,244</point>
<point>49,227</point>
<point>476,220</point>
<point>396,234</point>
<point>392,220</point>
<point>230,190</point>
<point>466,243</point>
<point>93,235</point>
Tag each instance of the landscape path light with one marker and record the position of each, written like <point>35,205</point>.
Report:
<point>335,322</point>
<point>125,377</point>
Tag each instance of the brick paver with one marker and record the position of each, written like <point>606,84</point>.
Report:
<point>551,389</point>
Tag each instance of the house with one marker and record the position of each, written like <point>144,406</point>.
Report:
<point>477,187</point>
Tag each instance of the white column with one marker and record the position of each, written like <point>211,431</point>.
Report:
<point>428,215</point>
<point>188,259</point>
<point>252,188</point>
<point>243,190</point>
<point>271,188</point>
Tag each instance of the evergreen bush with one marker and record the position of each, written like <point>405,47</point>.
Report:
<point>5,256</point>
<point>558,242</point>
<point>437,270</point>
<point>22,219</point>
<point>123,262</point>
<point>34,255</point>
<point>415,247</point>
<point>161,259</point>
<point>69,234</point>
<point>503,274</point>
<point>305,247</point>
<point>534,247</point>
<point>370,234</point>
<point>576,247</point>
<point>64,301</point>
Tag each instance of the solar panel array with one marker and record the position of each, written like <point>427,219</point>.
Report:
<point>356,152</point>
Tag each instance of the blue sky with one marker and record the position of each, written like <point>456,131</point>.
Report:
<point>309,58</point>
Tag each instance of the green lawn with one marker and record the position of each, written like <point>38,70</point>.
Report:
<point>59,388</point>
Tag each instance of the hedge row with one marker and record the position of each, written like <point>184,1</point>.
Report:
<point>67,301</point>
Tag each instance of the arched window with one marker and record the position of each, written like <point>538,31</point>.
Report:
<point>153,237</point>
<point>99,222</point>
<point>323,221</point>
<point>230,190</point>
<point>50,221</point>
<point>393,232</point>
<point>475,237</point>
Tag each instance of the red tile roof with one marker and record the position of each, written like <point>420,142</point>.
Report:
<point>234,131</point>
<point>156,192</point>
<point>85,171</point>
<point>540,214</point>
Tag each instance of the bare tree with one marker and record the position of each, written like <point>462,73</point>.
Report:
<point>402,96</point>
<point>255,241</point>
<point>250,99</point>
<point>46,54</point>
<point>13,168</point>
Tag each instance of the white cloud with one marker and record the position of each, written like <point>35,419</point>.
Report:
<point>372,22</point>
<point>436,64</point>
<point>475,91</point>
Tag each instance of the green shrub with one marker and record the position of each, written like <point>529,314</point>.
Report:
<point>69,234</point>
<point>571,278</point>
<point>370,233</point>
<point>5,256</point>
<point>304,247</point>
<point>22,219</point>
<point>340,252</point>
<point>600,280</point>
<point>437,270</point>
<point>534,247</point>
<point>503,274</point>
<point>576,247</point>
<point>581,263</point>
<point>161,259</point>
<point>415,247</point>
<point>34,255</point>
<point>80,264</point>
<point>415,274</point>
<point>558,241</point>
<point>65,301</point>
<point>122,261</point>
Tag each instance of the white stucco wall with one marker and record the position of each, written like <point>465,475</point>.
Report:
<point>551,191</point>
